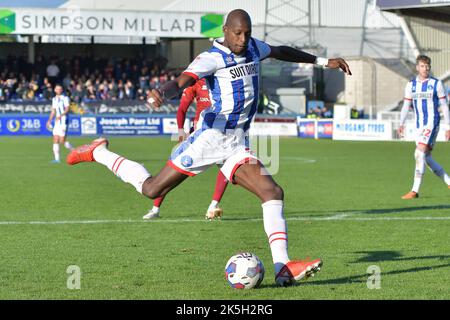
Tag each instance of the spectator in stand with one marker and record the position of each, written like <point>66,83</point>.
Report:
<point>102,92</point>
<point>53,72</point>
<point>354,113</point>
<point>326,113</point>
<point>67,81</point>
<point>311,114</point>
<point>113,90</point>
<point>90,92</point>
<point>129,90</point>
<point>83,77</point>
<point>78,93</point>
<point>47,90</point>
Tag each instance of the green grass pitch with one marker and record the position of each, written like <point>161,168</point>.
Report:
<point>342,204</point>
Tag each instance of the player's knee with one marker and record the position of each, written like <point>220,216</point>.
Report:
<point>279,193</point>
<point>275,192</point>
<point>150,190</point>
<point>419,155</point>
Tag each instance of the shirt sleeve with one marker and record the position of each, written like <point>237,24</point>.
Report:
<point>204,65</point>
<point>66,102</point>
<point>405,110</point>
<point>263,48</point>
<point>440,90</point>
<point>408,91</point>
<point>407,102</point>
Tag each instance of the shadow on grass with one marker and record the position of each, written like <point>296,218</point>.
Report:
<point>323,214</point>
<point>362,278</point>
<point>378,256</point>
<point>375,256</point>
<point>369,211</point>
<point>400,210</point>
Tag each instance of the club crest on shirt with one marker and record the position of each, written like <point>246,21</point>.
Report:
<point>229,60</point>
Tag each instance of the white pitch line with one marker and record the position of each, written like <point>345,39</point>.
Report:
<point>299,159</point>
<point>339,217</point>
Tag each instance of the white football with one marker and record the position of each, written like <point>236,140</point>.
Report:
<point>244,271</point>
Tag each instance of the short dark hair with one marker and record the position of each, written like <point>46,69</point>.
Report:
<point>423,58</point>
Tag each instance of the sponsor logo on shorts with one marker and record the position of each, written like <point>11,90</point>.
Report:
<point>186,161</point>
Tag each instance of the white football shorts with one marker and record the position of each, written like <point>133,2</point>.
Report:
<point>60,129</point>
<point>207,147</point>
<point>427,136</point>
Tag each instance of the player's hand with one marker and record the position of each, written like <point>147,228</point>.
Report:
<point>401,131</point>
<point>181,135</point>
<point>49,126</point>
<point>155,98</point>
<point>447,135</point>
<point>339,63</point>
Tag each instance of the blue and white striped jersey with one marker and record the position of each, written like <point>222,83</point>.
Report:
<point>426,97</point>
<point>59,104</point>
<point>233,84</point>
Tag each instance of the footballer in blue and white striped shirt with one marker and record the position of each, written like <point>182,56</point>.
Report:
<point>426,95</point>
<point>231,71</point>
<point>60,109</point>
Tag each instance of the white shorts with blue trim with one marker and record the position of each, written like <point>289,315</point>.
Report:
<point>207,147</point>
<point>427,136</point>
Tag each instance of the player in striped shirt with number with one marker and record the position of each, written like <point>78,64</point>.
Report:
<point>425,94</point>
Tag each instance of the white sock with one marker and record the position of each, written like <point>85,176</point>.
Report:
<point>155,209</point>
<point>129,171</point>
<point>437,169</point>
<point>56,151</point>
<point>68,145</point>
<point>276,230</point>
<point>420,170</point>
<point>213,205</point>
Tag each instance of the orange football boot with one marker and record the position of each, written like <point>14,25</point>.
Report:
<point>296,270</point>
<point>85,153</point>
<point>410,195</point>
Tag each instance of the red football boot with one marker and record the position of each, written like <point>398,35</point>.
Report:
<point>296,270</point>
<point>85,153</point>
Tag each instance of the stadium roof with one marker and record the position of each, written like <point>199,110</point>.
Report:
<point>438,10</point>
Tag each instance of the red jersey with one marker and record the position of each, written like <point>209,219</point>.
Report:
<point>199,91</point>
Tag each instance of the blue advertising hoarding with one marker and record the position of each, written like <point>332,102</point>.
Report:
<point>19,125</point>
<point>325,129</point>
<point>33,125</point>
<point>315,128</point>
<point>129,125</point>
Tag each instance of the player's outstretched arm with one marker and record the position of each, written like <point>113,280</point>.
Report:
<point>169,90</point>
<point>290,54</point>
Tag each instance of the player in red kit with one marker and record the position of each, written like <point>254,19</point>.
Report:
<point>199,91</point>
